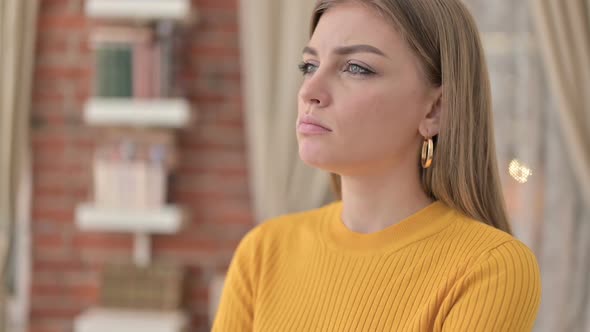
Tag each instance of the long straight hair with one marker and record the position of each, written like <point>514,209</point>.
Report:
<point>444,37</point>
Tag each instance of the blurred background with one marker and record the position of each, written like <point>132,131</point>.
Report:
<point>141,139</point>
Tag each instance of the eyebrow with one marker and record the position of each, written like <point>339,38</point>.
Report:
<point>345,50</point>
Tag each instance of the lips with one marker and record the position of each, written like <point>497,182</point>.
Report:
<point>309,124</point>
<point>311,129</point>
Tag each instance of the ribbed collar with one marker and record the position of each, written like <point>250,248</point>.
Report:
<point>428,221</point>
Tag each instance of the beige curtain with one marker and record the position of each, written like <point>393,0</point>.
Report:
<point>17,39</point>
<point>273,34</point>
<point>563,32</point>
<point>549,211</point>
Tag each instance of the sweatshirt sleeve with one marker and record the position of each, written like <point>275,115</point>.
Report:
<point>501,293</point>
<point>236,307</point>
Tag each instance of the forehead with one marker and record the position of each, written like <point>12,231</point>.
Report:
<point>354,23</point>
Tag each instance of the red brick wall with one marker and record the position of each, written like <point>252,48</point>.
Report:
<point>211,181</point>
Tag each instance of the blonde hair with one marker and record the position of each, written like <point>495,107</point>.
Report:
<point>444,37</point>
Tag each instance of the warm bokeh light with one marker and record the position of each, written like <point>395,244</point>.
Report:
<point>519,171</point>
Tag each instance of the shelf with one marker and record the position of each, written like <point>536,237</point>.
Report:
<point>125,320</point>
<point>179,10</point>
<point>167,220</point>
<point>172,113</point>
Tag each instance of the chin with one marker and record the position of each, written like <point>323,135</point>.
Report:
<point>315,157</point>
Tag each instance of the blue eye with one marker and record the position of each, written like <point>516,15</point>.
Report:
<point>307,68</point>
<point>355,69</point>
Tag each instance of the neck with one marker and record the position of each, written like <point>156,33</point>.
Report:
<point>372,202</point>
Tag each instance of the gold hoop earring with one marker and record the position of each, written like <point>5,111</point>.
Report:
<point>427,152</point>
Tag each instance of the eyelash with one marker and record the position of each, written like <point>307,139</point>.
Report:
<point>305,68</point>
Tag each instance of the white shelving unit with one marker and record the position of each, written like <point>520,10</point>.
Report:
<point>142,223</point>
<point>150,10</point>
<point>167,113</point>
<point>167,220</point>
<point>119,320</point>
<point>162,113</point>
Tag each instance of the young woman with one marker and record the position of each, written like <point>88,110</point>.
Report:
<point>396,104</point>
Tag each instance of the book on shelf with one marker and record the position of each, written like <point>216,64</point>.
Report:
<point>133,62</point>
<point>114,72</point>
<point>131,174</point>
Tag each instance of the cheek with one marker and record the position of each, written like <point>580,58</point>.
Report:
<point>380,118</point>
<point>380,125</point>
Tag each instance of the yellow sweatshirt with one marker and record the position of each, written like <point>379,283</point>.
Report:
<point>436,270</point>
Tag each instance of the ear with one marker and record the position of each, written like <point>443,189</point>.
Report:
<point>430,124</point>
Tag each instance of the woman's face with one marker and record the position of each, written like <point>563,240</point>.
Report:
<point>362,83</point>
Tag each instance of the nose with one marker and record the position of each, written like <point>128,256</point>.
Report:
<point>314,91</point>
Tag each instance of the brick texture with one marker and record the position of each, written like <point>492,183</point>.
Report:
<point>211,180</point>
